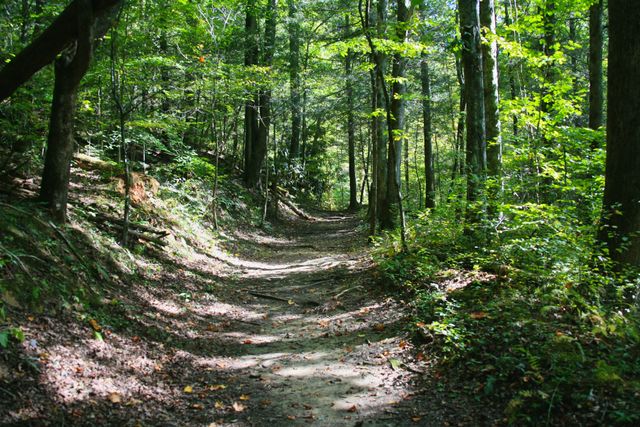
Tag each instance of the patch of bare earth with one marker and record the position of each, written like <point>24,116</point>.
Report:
<point>284,330</point>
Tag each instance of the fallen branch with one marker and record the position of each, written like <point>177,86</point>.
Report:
<point>283,197</point>
<point>288,301</point>
<point>267,296</point>
<point>141,227</point>
<point>346,290</point>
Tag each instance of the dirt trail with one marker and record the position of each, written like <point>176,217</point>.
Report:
<point>284,328</point>
<point>323,347</point>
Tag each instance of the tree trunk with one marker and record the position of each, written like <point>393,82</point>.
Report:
<point>621,219</point>
<point>295,80</point>
<point>491,89</point>
<point>264,118</point>
<point>380,59</point>
<point>474,94</point>
<point>70,67</point>
<point>351,126</point>
<point>45,48</point>
<point>596,86</point>
<point>391,208</point>
<point>251,176</point>
<point>429,170</point>
<point>373,192</point>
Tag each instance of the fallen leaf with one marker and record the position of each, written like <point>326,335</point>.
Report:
<point>247,342</point>
<point>378,327</point>
<point>291,302</point>
<point>352,409</point>
<point>416,419</point>
<point>188,389</point>
<point>323,323</point>
<point>95,325</point>
<point>197,406</point>
<point>217,387</point>
<point>403,344</point>
<point>245,397</point>
<point>478,315</point>
<point>134,402</point>
<point>238,407</point>
<point>115,397</point>
<point>420,357</point>
<point>218,405</point>
<point>291,417</point>
<point>421,324</point>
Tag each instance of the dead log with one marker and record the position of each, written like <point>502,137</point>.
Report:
<point>284,198</point>
<point>144,228</point>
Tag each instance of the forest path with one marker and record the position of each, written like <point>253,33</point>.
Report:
<point>322,346</point>
<point>278,328</point>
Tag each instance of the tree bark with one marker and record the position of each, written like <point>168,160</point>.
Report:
<point>491,89</point>
<point>380,60</point>
<point>389,211</point>
<point>295,80</point>
<point>621,219</point>
<point>596,86</point>
<point>264,117</point>
<point>351,126</point>
<point>251,53</point>
<point>70,67</point>
<point>46,47</point>
<point>474,94</point>
<point>429,167</point>
<point>425,81</point>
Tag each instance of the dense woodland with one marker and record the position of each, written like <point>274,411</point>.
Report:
<point>482,138</point>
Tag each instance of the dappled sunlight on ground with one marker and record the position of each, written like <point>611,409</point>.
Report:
<point>286,336</point>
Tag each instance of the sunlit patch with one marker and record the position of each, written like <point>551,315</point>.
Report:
<point>216,309</point>
<point>165,306</point>
<point>97,372</point>
<point>250,339</point>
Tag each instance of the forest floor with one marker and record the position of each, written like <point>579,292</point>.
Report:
<point>290,327</point>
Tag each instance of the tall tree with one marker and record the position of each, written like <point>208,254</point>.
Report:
<point>425,81</point>
<point>474,94</point>
<point>396,121</point>
<point>380,61</point>
<point>265,110</point>
<point>596,85</point>
<point>294,79</point>
<point>491,88</point>
<point>621,224</point>
<point>70,68</point>
<point>251,54</point>
<point>351,123</point>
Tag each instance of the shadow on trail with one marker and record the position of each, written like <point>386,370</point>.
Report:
<point>290,329</point>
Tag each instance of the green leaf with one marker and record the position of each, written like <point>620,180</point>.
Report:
<point>4,339</point>
<point>395,364</point>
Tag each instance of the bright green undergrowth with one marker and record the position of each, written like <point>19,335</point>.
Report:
<point>538,321</point>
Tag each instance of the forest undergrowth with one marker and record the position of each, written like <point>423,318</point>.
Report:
<point>529,317</point>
